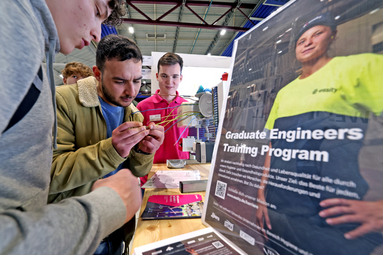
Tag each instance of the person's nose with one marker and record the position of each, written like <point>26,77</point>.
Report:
<point>95,32</point>
<point>308,42</point>
<point>129,89</point>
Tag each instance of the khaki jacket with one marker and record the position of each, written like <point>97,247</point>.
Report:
<point>83,153</point>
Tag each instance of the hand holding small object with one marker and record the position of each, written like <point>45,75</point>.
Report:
<point>127,135</point>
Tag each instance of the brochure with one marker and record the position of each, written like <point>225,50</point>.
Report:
<point>171,179</point>
<point>202,242</point>
<point>173,207</point>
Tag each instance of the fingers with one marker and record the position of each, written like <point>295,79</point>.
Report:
<point>336,210</point>
<point>267,220</point>
<point>259,220</point>
<point>334,202</point>
<point>123,132</point>
<point>149,145</point>
<point>358,232</point>
<point>128,125</point>
<point>153,141</point>
<point>348,218</point>
<point>126,136</point>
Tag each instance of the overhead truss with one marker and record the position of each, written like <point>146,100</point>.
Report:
<point>188,4</point>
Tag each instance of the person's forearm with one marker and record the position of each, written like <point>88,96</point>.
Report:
<point>73,226</point>
<point>140,164</point>
<point>71,169</point>
<point>264,179</point>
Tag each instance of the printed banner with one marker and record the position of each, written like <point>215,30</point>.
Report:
<point>299,164</point>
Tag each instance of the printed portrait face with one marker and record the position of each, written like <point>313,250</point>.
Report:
<point>314,43</point>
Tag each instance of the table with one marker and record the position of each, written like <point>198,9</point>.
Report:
<point>149,231</point>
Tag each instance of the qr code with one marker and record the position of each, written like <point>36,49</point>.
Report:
<point>217,244</point>
<point>220,189</point>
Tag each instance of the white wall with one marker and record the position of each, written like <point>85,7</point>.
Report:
<point>198,70</point>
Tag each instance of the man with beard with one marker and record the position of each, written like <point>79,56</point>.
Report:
<point>98,133</point>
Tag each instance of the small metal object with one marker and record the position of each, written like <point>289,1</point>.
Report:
<point>175,163</point>
<point>193,186</point>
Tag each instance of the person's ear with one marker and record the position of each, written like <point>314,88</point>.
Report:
<point>157,76</point>
<point>333,36</point>
<point>181,77</point>
<point>97,73</point>
<point>64,80</point>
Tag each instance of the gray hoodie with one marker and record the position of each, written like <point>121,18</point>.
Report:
<point>27,224</point>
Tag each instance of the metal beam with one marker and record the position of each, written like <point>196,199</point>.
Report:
<point>166,13</point>
<point>193,3</point>
<point>199,30</point>
<point>227,20</point>
<point>259,3</point>
<point>182,24</point>
<point>178,28</point>
<point>129,16</point>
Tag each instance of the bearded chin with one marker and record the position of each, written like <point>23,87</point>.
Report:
<point>109,97</point>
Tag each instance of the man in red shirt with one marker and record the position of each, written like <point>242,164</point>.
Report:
<point>164,103</point>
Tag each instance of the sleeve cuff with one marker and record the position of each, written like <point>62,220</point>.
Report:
<point>110,208</point>
<point>111,152</point>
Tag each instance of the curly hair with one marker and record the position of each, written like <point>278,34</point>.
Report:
<point>76,67</point>
<point>118,8</point>
<point>116,47</point>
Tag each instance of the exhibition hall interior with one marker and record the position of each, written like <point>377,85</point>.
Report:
<point>202,127</point>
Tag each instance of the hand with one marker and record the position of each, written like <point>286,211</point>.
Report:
<point>191,251</point>
<point>368,214</point>
<point>262,216</point>
<point>153,141</point>
<point>127,135</point>
<point>127,187</point>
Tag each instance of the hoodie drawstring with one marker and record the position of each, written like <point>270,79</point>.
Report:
<point>49,58</point>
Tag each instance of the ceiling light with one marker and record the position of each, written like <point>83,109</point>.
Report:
<point>373,11</point>
<point>209,54</point>
<point>265,28</point>
<point>61,76</point>
<point>279,41</point>
<point>223,32</point>
<point>131,30</point>
<point>279,52</point>
<point>250,69</point>
<point>337,17</point>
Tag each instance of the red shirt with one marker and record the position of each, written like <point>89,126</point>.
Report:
<point>169,149</point>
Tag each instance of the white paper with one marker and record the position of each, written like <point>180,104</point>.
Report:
<point>206,240</point>
<point>171,179</point>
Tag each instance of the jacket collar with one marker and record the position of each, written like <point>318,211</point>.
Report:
<point>88,96</point>
<point>87,92</point>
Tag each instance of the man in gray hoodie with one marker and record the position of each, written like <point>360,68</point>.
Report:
<point>29,29</point>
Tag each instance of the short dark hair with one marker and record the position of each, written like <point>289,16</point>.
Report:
<point>170,59</point>
<point>118,10</point>
<point>116,47</point>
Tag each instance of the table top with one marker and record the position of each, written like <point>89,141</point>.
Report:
<point>149,231</point>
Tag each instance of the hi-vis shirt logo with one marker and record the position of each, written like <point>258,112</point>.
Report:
<point>331,90</point>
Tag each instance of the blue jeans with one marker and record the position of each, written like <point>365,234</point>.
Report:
<point>112,245</point>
